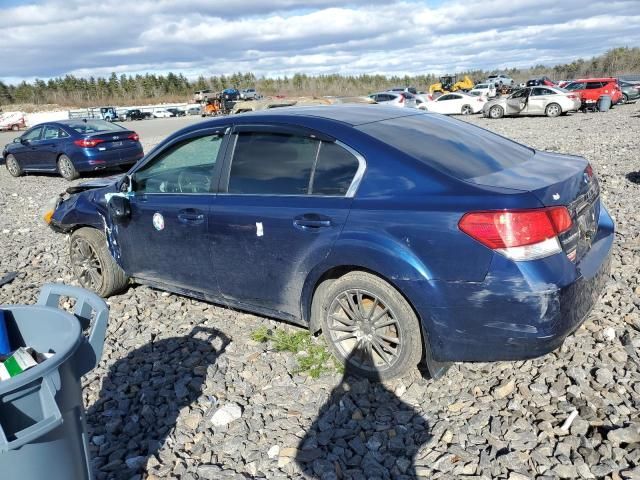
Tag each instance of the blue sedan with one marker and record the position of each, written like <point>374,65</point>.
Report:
<point>71,147</point>
<point>404,236</point>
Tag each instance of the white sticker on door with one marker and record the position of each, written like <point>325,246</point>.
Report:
<point>259,229</point>
<point>158,221</point>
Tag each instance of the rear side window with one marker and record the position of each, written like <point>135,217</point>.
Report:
<point>594,85</point>
<point>454,147</point>
<point>334,171</point>
<point>272,164</point>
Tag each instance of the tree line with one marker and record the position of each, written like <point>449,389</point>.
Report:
<point>150,88</point>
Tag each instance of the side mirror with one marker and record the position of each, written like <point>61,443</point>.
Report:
<point>17,140</point>
<point>119,207</point>
<point>24,141</point>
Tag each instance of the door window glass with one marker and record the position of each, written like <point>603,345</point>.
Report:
<point>184,168</point>
<point>272,164</point>
<point>334,171</point>
<point>51,133</point>
<point>594,85</point>
<point>33,134</point>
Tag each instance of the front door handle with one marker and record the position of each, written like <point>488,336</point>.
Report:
<point>191,216</point>
<point>311,222</point>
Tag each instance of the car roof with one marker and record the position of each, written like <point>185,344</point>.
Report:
<point>599,79</point>
<point>349,114</point>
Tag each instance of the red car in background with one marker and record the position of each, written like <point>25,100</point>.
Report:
<point>591,89</point>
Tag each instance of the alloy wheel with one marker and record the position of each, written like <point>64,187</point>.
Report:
<point>495,112</point>
<point>86,264</point>
<point>65,167</point>
<point>466,110</point>
<point>553,110</point>
<point>364,330</point>
<point>12,166</point>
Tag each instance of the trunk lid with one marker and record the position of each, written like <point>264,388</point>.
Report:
<point>556,179</point>
<point>113,140</point>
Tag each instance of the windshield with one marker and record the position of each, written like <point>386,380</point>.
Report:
<point>86,127</point>
<point>454,147</point>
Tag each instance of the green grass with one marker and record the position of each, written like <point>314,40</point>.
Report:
<point>312,355</point>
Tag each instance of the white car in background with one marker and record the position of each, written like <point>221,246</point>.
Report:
<point>161,113</point>
<point>455,104</point>
<point>396,99</point>
<point>487,90</point>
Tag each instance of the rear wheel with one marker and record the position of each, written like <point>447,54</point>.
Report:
<point>625,98</point>
<point>66,168</point>
<point>496,111</point>
<point>13,166</point>
<point>466,110</point>
<point>553,110</point>
<point>93,265</point>
<point>370,327</point>
<point>15,128</point>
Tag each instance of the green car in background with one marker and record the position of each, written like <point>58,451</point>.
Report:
<point>630,91</point>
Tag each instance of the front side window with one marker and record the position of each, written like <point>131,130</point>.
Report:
<point>186,167</point>
<point>272,164</point>
<point>33,134</point>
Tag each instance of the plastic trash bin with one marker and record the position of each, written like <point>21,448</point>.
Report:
<point>42,420</point>
<point>604,103</point>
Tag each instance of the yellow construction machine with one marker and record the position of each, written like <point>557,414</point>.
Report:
<point>450,83</point>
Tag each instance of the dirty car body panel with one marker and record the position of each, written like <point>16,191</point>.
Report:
<point>395,210</point>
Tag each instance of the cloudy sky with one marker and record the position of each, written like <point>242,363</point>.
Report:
<point>48,38</point>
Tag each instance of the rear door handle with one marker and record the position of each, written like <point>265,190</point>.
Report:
<point>312,222</point>
<point>191,216</point>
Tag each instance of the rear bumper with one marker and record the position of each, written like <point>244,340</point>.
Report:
<point>92,161</point>
<point>521,310</point>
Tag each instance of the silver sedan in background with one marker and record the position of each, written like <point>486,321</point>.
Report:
<point>549,101</point>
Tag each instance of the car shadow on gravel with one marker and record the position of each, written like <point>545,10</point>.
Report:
<point>142,396</point>
<point>363,431</point>
<point>633,177</point>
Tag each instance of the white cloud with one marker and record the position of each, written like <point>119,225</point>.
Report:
<point>282,37</point>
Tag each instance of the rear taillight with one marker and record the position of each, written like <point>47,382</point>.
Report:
<point>573,96</point>
<point>88,142</point>
<point>519,234</point>
<point>134,136</point>
<point>589,171</point>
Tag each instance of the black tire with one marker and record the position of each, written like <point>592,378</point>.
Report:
<point>390,349</point>
<point>496,112</point>
<point>625,98</point>
<point>466,110</point>
<point>66,168</point>
<point>13,166</point>
<point>15,128</point>
<point>93,265</point>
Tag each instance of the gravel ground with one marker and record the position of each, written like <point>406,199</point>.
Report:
<point>182,392</point>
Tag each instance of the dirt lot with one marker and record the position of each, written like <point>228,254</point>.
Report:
<point>171,363</point>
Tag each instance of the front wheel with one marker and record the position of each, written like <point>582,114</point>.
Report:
<point>13,166</point>
<point>625,98</point>
<point>93,265</point>
<point>466,110</point>
<point>66,168</point>
<point>496,111</point>
<point>370,327</point>
<point>553,110</point>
